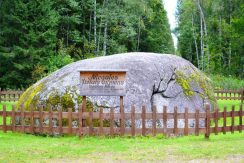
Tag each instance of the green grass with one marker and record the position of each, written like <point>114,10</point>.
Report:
<point>17,147</point>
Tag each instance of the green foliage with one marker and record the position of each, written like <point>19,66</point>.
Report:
<point>59,60</point>
<point>220,48</point>
<point>226,82</point>
<point>195,78</point>
<point>66,101</point>
<point>39,37</point>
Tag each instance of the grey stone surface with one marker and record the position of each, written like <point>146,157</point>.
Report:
<point>150,81</point>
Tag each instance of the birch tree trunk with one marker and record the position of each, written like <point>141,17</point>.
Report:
<point>203,27</point>
<point>95,24</point>
<point>195,41</point>
<point>100,30</point>
<point>139,34</point>
<point>202,42</point>
<point>89,37</point>
<point>105,39</point>
<point>105,32</point>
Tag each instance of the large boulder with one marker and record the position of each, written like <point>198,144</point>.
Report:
<point>152,79</point>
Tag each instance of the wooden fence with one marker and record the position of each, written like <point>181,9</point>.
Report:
<point>10,95</point>
<point>111,123</point>
<point>229,95</point>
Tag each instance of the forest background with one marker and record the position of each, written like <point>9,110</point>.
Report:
<point>41,36</point>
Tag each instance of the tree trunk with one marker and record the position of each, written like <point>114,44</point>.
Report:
<point>100,29</point>
<point>139,34</point>
<point>204,25</point>
<point>95,24</point>
<point>105,32</point>
<point>89,37</point>
<point>195,41</point>
<point>230,50</point>
<point>105,39</point>
<point>202,43</point>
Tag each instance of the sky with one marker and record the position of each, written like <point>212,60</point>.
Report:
<point>170,7</point>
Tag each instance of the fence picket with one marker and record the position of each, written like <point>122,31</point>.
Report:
<point>90,122</point>
<point>165,119</point>
<point>197,122</point>
<point>240,119</point>
<point>154,129</point>
<point>69,121</point>
<point>111,121</point>
<point>31,120</point>
<point>207,121</point>
<point>122,121</point>
<point>13,118</point>
<point>232,119</point>
<point>41,120</point>
<point>143,118</point>
<point>224,120</point>
<point>216,118</point>
<point>60,121</point>
<point>175,131</point>
<point>122,117</point>
<point>50,118</point>
<point>133,121</point>
<point>22,119</point>
<point>186,122</point>
<point>101,122</point>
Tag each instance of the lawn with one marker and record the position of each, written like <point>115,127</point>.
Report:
<point>16,147</point>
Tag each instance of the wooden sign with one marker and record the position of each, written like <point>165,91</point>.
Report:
<point>102,82</point>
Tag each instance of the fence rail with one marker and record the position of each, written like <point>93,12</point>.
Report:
<point>10,95</point>
<point>111,123</point>
<point>229,95</point>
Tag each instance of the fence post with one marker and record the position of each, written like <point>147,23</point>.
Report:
<point>50,119</point>
<point>216,118</point>
<point>197,122</point>
<point>186,122</point>
<point>240,119</point>
<point>207,121</point>
<point>60,120</point>
<point>133,121</point>
<point>13,118</point>
<point>80,121</point>
<point>31,119</point>
<point>101,122</point>
<point>165,119</point>
<point>143,119</point>
<point>69,121</point>
<point>175,131</point>
<point>122,117</point>
<point>22,116</point>
<point>111,123</point>
<point>232,119</point>
<point>90,122</point>
<point>224,121</point>
<point>154,129</point>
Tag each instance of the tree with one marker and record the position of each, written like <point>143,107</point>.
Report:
<point>28,37</point>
